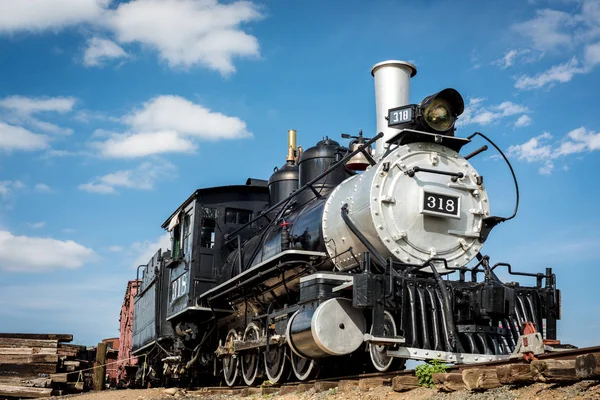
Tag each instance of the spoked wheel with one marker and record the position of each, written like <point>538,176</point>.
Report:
<point>230,363</point>
<point>381,361</point>
<point>276,364</point>
<point>304,368</point>
<point>250,360</point>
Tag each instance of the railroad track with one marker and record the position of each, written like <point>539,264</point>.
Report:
<point>366,381</point>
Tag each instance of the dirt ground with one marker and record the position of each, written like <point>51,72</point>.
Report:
<point>538,391</point>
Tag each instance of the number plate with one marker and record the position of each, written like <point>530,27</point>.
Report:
<point>179,287</point>
<point>440,205</point>
<point>399,116</point>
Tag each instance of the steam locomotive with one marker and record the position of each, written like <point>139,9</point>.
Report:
<point>345,259</point>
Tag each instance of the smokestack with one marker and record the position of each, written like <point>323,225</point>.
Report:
<point>392,89</point>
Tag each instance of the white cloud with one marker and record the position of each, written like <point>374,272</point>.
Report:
<point>36,225</point>
<point>99,188</point>
<point>42,188</point>
<point>101,50</point>
<point>115,249</point>
<point>167,124</point>
<point>144,144</point>
<point>592,55</point>
<point>547,168</point>
<point>35,254</point>
<point>557,74</point>
<point>48,127</point>
<point>580,140</point>
<point>18,138</point>
<point>535,149</point>
<point>539,149</point>
<point>476,113</point>
<point>143,177</point>
<point>61,153</point>
<point>181,115</point>
<point>144,251</point>
<point>524,120</point>
<point>548,30</point>
<point>21,111</point>
<point>510,57</point>
<point>32,105</point>
<point>7,187</point>
<point>40,15</point>
<point>187,33</point>
<point>556,31</point>
<point>68,230</point>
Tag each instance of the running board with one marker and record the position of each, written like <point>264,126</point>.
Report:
<point>445,356</point>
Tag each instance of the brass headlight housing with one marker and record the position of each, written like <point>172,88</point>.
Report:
<point>438,115</point>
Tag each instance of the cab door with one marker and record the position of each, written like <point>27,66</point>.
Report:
<point>207,248</point>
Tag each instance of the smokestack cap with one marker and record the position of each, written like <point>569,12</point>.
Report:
<point>395,62</point>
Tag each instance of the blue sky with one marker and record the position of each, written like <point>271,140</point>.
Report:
<point>113,112</point>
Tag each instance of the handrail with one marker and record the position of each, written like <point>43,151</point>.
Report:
<point>339,163</point>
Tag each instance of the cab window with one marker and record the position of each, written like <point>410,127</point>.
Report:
<point>176,236</point>
<point>237,216</point>
<point>207,233</point>
<point>187,235</point>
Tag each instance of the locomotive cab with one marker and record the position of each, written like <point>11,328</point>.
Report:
<point>198,230</point>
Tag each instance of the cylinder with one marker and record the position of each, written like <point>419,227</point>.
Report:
<point>334,328</point>
<point>392,89</point>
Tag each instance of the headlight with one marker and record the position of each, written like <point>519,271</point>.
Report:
<point>438,115</point>
<point>435,114</point>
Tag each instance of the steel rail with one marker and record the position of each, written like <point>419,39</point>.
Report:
<point>557,355</point>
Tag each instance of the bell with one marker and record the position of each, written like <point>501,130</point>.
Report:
<point>358,162</point>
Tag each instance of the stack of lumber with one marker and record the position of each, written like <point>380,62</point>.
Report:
<point>71,360</point>
<point>29,363</point>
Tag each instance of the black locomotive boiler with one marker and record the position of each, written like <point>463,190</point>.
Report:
<point>345,258</point>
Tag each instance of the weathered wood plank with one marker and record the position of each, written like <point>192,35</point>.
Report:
<point>283,390</point>
<point>448,382</point>
<point>100,367</point>
<point>70,350</point>
<point>480,379</point>
<point>31,380</point>
<point>266,390</point>
<point>75,387</point>
<point>33,368</point>
<point>514,374</point>
<point>304,387</point>
<point>347,386</point>
<point>366,384</point>
<point>26,350</point>
<point>322,386</point>
<point>28,358</point>
<point>554,371</point>
<point>61,337</point>
<point>59,378</point>
<point>18,342</point>
<point>586,366</point>
<point>24,392</point>
<point>404,383</point>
